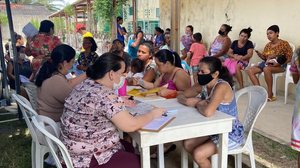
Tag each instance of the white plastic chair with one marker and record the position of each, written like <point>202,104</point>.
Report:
<point>31,91</point>
<point>276,75</point>
<point>257,99</point>
<point>191,76</point>
<point>38,150</point>
<point>52,141</point>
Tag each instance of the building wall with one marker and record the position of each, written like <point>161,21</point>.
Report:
<point>207,16</point>
<point>21,15</point>
<point>147,15</point>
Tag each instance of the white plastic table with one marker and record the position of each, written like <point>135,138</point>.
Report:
<point>187,124</point>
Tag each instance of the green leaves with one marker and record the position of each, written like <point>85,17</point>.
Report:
<point>3,18</point>
<point>105,11</point>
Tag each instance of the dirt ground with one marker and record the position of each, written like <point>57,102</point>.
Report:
<point>273,154</point>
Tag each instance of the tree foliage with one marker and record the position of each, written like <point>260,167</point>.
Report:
<point>69,10</point>
<point>3,18</point>
<point>104,9</point>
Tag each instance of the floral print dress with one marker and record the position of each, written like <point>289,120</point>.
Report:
<point>40,47</point>
<point>86,126</point>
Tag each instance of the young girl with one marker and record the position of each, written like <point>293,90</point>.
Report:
<point>137,68</point>
<point>212,92</point>
<point>88,56</point>
<point>196,53</point>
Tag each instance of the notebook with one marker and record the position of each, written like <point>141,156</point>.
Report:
<point>156,124</point>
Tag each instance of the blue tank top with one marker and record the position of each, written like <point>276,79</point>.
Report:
<point>237,133</point>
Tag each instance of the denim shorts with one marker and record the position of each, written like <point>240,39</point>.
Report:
<point>262,65</point>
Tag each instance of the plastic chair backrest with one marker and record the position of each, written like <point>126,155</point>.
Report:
<point>27,113</point>
<point>257,99</point>
<point>292,46</point>
<point>52,141</point>
<point>31,90</point>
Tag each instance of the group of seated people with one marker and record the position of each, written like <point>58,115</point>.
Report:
<point>90,113</point>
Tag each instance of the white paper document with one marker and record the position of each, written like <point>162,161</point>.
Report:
<point>29,30</point>
<point>156,124</point>
<point>24,79</point>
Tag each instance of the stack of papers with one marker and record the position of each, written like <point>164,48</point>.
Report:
<point>156,124</point>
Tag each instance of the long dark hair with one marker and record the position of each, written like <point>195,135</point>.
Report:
<point>59,54</point>
<point>105,63</point>
<point>94,45</point>
<point>214,65</point>
<point>167,55</point>
<point>46,26</point>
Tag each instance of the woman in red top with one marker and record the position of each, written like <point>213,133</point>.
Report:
<point>41,45</point>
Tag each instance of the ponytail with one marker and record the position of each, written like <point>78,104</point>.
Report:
<point>45,72</point>
<point>59,54</point>
<point>165,55</point>
<point>225,75</point>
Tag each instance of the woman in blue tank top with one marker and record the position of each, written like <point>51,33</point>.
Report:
<point>212,92</point>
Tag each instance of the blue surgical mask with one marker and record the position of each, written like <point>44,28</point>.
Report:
<point>117,86</point>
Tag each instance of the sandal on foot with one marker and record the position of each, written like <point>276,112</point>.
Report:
<point>271,99</point>
<point>166,152</point>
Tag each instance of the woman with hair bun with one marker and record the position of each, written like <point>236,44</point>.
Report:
<point>41,45</point>
<point>239,54</point>
<point>93,114</point>
<point>221,44</point>
<point>173,77</point>
<point>53,86</point>
<point>212,92</point>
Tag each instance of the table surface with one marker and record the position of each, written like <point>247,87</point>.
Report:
<point>187,119</point>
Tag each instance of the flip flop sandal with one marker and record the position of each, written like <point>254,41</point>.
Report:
<point>271,99</point>
<point>166,152</point>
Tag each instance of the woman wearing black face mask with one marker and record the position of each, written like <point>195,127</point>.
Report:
<point>213,92</point>
<point>221,44</point>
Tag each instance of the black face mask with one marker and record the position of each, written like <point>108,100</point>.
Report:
<point>221,33</point>
<point>204,79</point>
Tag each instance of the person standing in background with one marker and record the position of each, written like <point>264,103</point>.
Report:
<point>120,30</point>
<point>186,40</point>
<point>81,29</point>
<point>41,45</point>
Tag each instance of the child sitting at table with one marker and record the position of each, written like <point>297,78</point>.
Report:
<point>212,92</point>
<point>137,68</point>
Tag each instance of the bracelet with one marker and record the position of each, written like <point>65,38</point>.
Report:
<point>141,82</point>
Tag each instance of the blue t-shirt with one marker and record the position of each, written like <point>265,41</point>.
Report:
<point>120,36</point>
<point>132,51</point>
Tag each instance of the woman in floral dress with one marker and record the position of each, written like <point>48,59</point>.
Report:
<point>41,45</point>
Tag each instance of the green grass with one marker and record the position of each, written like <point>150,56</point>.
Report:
<point>274,148</point>
<point>15,145</point>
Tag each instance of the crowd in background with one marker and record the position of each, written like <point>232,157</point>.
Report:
<point>85,98</point>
